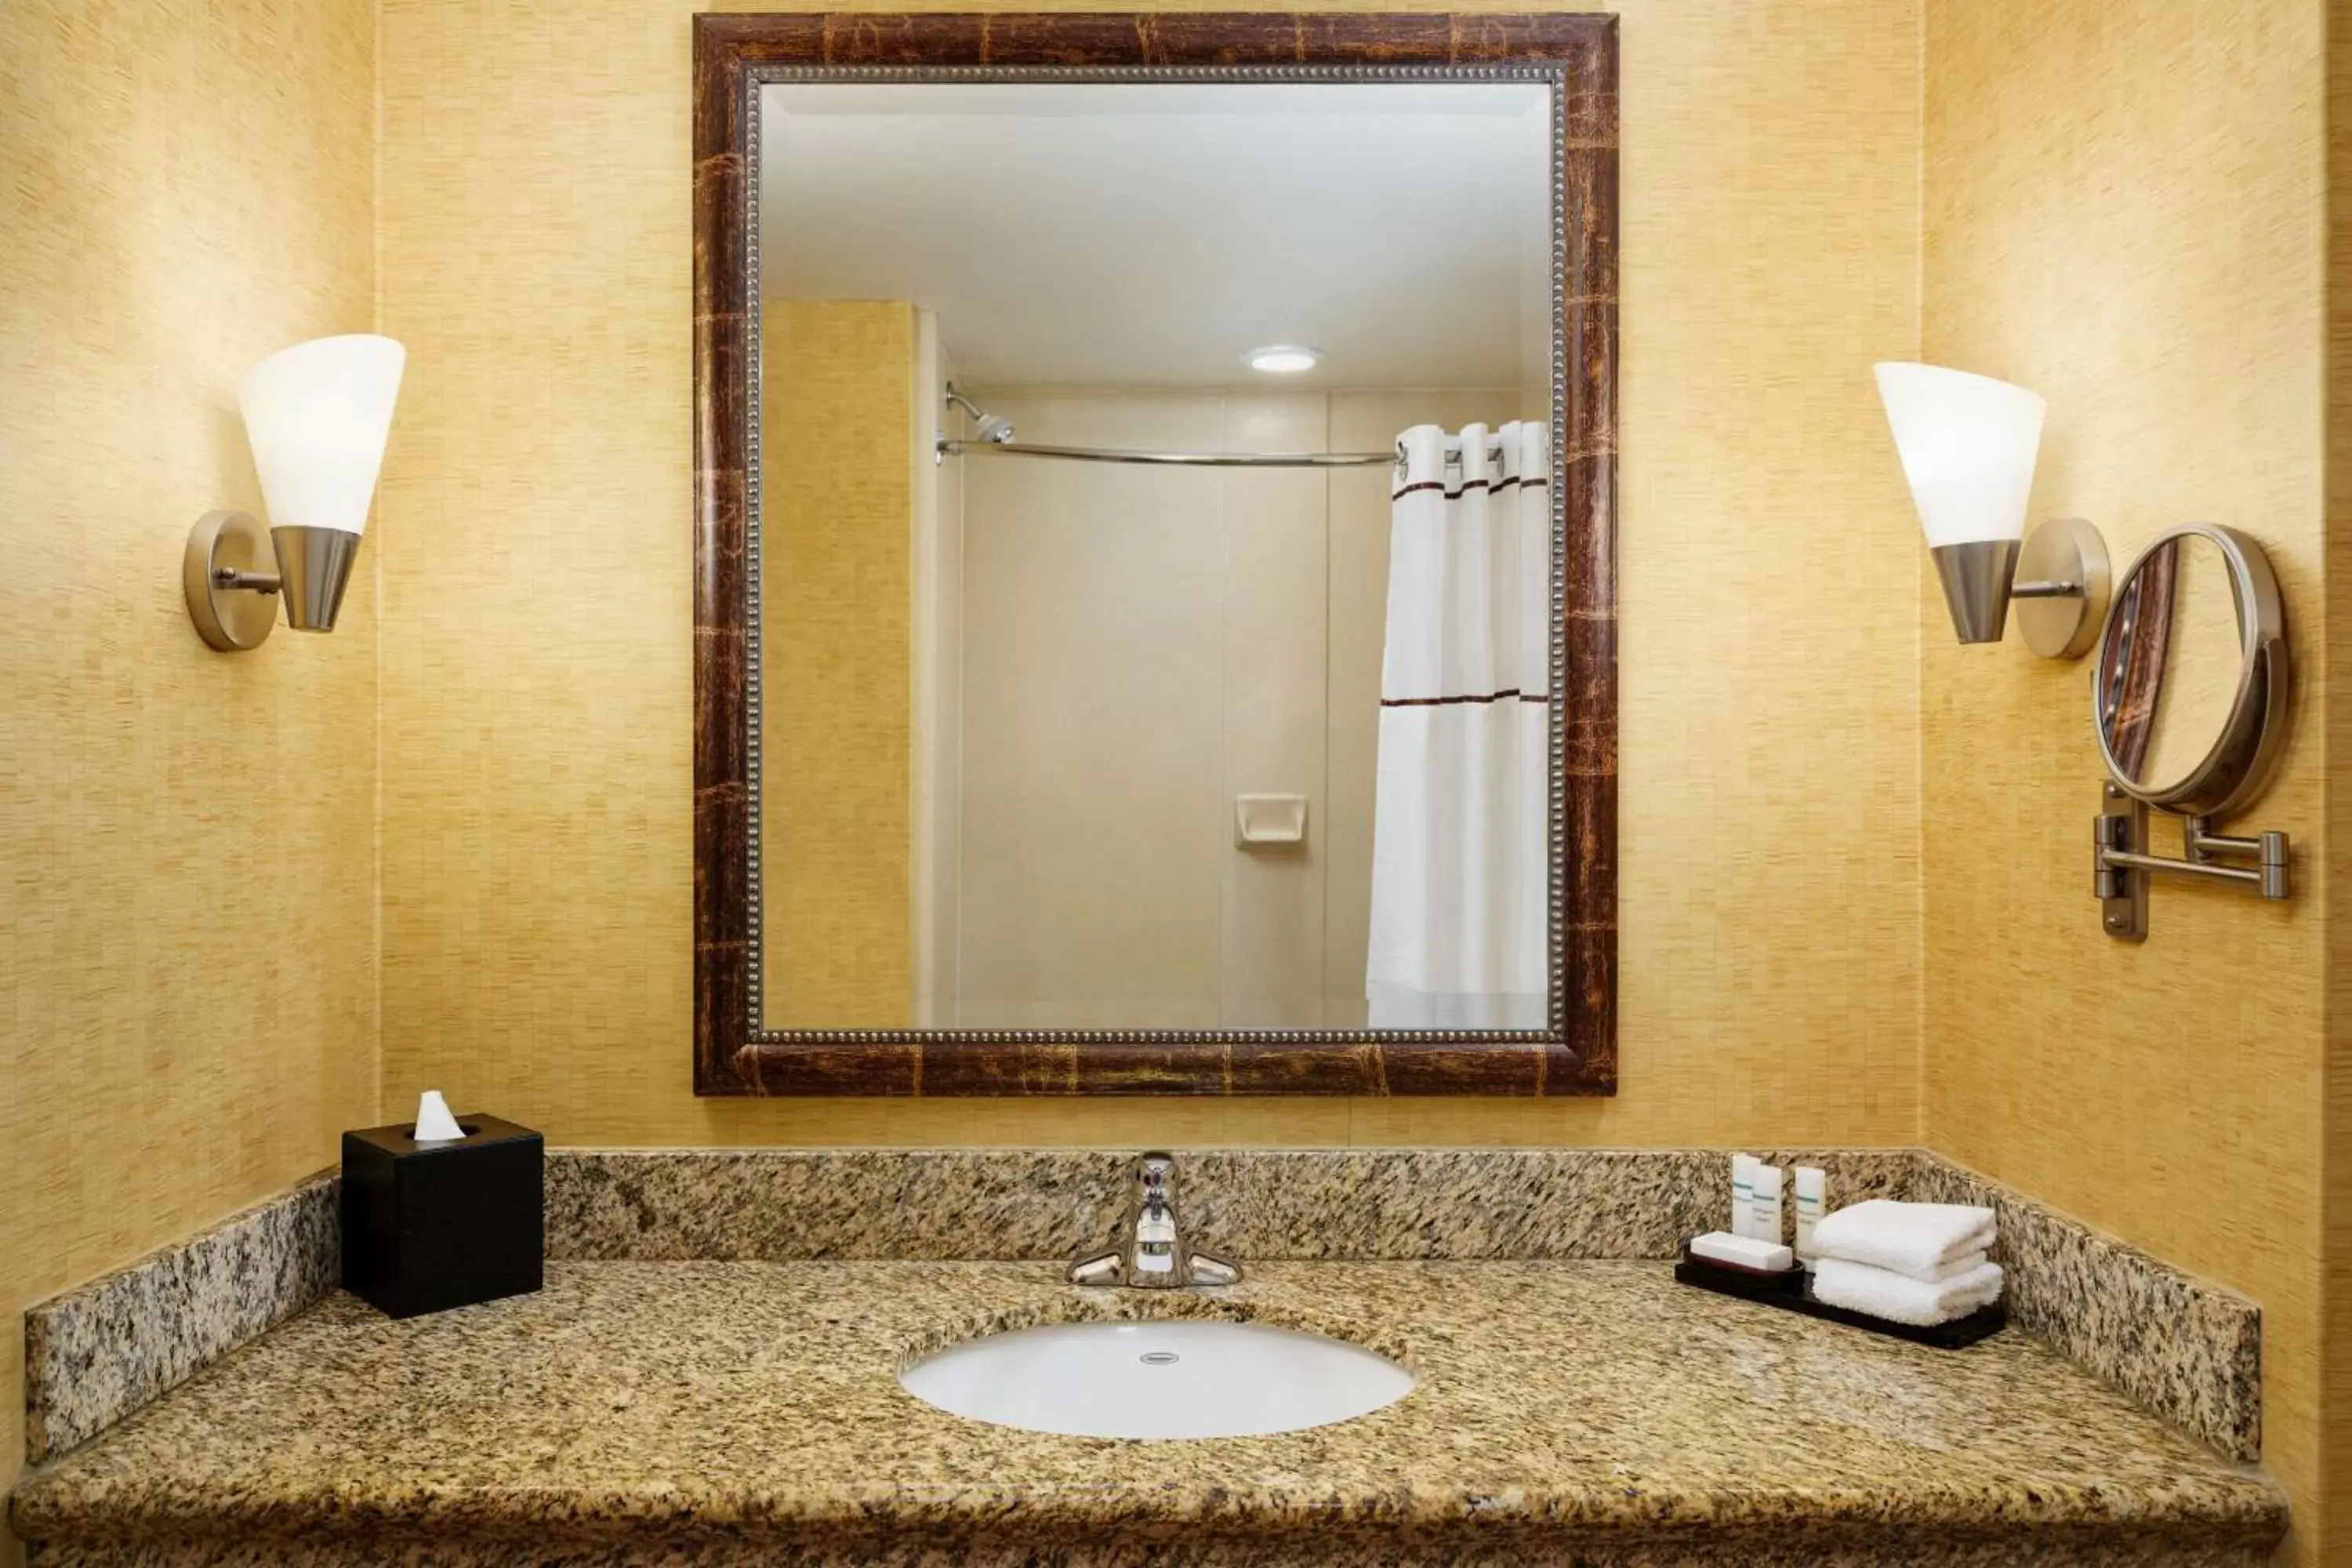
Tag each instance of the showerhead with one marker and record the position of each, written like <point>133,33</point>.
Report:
<point>993,429</point>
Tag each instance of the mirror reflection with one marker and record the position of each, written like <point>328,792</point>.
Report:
<point>2171,662</point>
<point>1155,551</point>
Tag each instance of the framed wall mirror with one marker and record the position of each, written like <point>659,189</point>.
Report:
<point>1154,571</point>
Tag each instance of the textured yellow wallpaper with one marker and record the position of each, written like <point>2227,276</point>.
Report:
<point>2336,1327</point>
<point>536,732</point>
<point>838,604</point>
<point>2124,210</point>
<point>187,852</point>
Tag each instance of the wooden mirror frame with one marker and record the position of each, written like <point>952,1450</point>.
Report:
<point>1577,1052</point>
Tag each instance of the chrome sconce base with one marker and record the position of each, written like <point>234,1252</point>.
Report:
<point>233,596</point>
<point>225,573</point>
<point>2061,573</point>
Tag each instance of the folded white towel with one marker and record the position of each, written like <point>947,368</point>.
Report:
<point>1917,1239</point>
<point>1859,1287</point>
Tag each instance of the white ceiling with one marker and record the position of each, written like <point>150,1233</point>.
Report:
<point>1152,235</point>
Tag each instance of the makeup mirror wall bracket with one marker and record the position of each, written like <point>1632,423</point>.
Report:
<point>2137,651</point>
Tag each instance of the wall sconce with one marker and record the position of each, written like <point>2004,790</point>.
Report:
<point>317,415</point>
<point>1967,445</point>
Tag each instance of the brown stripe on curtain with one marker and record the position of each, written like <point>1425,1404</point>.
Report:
<point>1513,694</point>
<point>1474,485</point>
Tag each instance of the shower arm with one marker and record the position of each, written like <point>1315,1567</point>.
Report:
<point>955,398</point>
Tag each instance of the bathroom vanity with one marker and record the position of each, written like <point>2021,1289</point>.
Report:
<point>1155,516</point>
<point>1574,1412</point>
<point>712,1374</point>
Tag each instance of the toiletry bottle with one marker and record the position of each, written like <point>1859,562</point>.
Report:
<point>1743,1193</point>
<point>1765,1225</point>
<point>1813,1196</point>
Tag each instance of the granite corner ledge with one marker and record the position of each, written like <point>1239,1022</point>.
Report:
<point>96,1353</point>
<point>2184,1347</point>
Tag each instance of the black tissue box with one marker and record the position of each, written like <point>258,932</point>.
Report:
<point>427,1227</point>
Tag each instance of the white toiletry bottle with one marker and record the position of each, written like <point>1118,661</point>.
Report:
<point>1813,1196</point>
<point>1765,1223</point>
<point>1743,1193</point>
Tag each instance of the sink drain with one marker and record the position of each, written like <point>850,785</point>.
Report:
<point>1159,1358</point>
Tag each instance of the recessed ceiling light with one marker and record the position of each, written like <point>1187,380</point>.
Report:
<point>1284,359</point>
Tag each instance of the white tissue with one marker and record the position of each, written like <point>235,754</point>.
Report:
<point>433,1122</point>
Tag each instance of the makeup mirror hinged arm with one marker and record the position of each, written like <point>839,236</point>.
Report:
<point>2124,858</point>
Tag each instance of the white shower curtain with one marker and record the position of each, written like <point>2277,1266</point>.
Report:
<point>1460,872</point>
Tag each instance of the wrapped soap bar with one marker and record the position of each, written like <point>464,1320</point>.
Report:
<point>1740,1251</point>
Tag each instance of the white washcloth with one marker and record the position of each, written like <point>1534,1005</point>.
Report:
<point>1859,1287</point>
<point>1916,1239</point>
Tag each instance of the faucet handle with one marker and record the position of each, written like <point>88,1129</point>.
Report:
<point>1208,1269</point>
<point>1098,1268</point>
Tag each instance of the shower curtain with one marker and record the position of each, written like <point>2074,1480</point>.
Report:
<point>1460,876</point>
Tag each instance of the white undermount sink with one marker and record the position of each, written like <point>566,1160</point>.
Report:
<point>1183,1378</point>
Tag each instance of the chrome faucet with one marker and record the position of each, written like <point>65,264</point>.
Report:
<point>1152,1252</point>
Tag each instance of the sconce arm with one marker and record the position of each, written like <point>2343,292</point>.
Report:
<point>252,581</point>
<point>2046,588</point>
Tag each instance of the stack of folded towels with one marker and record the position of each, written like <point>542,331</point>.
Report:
<point>1922,1264</point>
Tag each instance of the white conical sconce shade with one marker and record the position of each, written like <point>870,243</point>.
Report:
<point>318,415</point>
<point>1967,445</point>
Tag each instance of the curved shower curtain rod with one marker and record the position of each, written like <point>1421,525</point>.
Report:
<point>956,448</point>
<point>1181,460</point>
<point>995,435</point>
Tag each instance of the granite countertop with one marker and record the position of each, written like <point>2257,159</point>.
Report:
<point>1591,1403</point>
